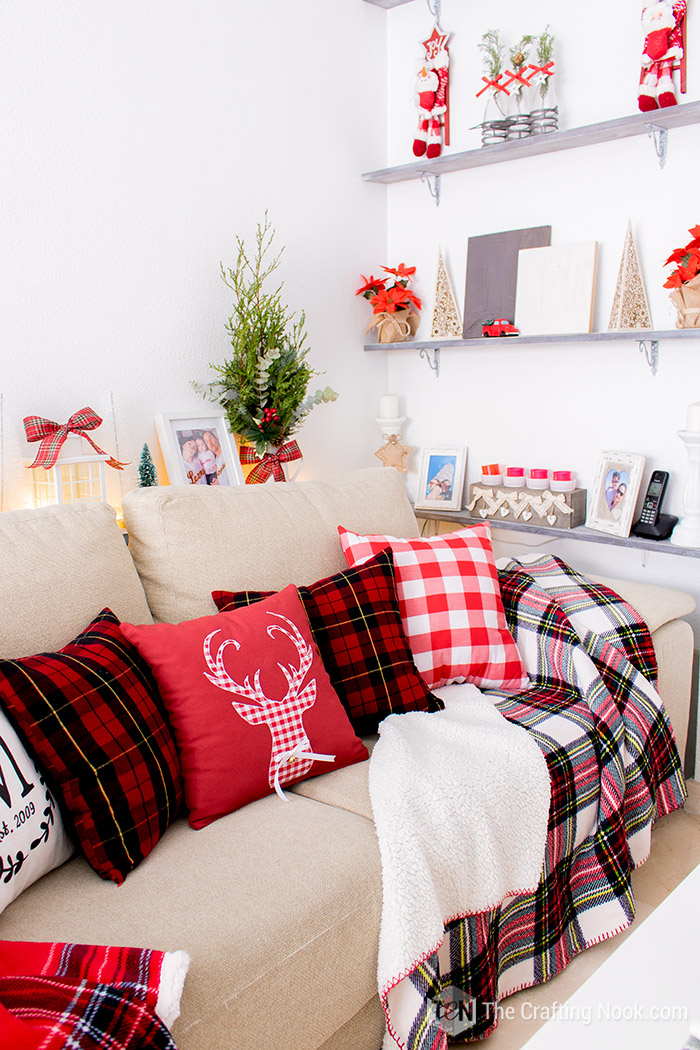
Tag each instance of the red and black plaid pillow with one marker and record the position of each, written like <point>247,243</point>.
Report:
<point>355,623</point>
<point>92,715</point>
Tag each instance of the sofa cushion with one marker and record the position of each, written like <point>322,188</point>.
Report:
<point>450,605</point>
<point>61,565</point>
<point>355,622</point>
<point>245,689</point>
<point>277,904</point>
<point>33,838</point>
<point>189,540</point>
<point>655,605</point>
<point>92,715</point>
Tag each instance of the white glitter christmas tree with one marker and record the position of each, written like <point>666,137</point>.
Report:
<point>630,307</point>
<point>446,320</point>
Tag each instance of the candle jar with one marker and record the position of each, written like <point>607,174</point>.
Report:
<point>538,479</point>
<point>514,478</point>
<point>563,481</point>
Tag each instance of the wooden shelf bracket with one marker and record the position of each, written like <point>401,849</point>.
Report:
<point>651,352</point>
<point>434,188</point>
<point>660,137</point>
<point>435,363</point>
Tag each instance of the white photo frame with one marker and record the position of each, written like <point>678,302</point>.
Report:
<point>441,479</point>
<point>214,459</point>
<point>614,494</point>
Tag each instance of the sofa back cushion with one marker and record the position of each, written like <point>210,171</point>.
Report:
<point>59,567</point>
<point>189,541</point>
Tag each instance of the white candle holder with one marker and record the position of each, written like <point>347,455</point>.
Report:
<point>391,426</point>
<point>687,531</point>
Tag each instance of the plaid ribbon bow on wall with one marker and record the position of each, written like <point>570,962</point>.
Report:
<point>270,463</point>
<point>52,435</point>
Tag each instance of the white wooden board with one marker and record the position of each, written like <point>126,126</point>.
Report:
<point>555,289</point>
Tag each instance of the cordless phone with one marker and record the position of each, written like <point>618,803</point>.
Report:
<point>652,523</point>
<point>654,497</point>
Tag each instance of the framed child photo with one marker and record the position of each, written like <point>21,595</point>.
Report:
<point>198,449</point>
<point>441,479</point>
<point>615,490</point>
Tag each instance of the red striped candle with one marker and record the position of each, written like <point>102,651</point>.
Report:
<point>491,468</point>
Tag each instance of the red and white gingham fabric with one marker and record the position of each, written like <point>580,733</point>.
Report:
<point>450,605</point>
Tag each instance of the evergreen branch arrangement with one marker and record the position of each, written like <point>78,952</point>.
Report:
<point>263,387</point>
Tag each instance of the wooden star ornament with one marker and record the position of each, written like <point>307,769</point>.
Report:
<point>394,454</point>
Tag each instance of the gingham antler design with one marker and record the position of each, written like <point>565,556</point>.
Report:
<point>284,717</point>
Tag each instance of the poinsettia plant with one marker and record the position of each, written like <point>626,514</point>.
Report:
<point>389,294</point>
<point>687,261</point>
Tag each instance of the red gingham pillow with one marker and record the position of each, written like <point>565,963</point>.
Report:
<point>450,606</point>
<point>355,622</point>
<point>92,715</point>
<point>243,689</point>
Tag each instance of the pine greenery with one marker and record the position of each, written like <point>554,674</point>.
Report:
<point>492,50</point>
<point>263,386</point>
<point>148,477</point>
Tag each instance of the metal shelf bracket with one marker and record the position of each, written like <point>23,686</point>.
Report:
<point>651,352</point>
<point>660,137</point>
<point>435,363</point>
<point>434,189</point>
<point>434,8</point>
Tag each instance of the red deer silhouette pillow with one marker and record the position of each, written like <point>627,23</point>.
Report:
<point>250,703</point>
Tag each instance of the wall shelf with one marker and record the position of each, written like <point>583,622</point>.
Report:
<point>628,335</point>
<point>460,517</point>
<point>535,145</point>
<point>388,3</point>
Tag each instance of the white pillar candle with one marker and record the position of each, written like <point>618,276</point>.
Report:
<point>389,407</point>
<point>693,421</point>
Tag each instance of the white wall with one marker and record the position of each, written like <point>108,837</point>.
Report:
<point>138,140</point>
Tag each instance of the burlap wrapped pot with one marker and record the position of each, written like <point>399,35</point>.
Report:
<point>397,327</point>
<point>686,300</point>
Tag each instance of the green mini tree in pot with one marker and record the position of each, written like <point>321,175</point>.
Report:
<point>263,386</point>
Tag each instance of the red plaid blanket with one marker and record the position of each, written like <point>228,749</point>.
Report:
<point>614,769</point>
<point>83,997</point>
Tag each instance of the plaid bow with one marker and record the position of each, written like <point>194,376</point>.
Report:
<point>52,435</point>
<point>270,463</point>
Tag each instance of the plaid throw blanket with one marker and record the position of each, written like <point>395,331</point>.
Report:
<point>614,768</point>
<point>84,997</point>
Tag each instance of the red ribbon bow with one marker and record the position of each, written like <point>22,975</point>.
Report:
<point>52,435</point>
<point>270,463</point>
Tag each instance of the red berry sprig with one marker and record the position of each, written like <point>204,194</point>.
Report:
<point>269,416</point>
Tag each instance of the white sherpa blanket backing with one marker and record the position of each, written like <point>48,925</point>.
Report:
<point>460,800</point>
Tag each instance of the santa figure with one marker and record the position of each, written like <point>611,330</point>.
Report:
<point>663,50</point>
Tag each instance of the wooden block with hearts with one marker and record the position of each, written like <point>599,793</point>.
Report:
<point>558,510</point>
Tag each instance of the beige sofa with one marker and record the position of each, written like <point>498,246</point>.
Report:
<point>278,905</point>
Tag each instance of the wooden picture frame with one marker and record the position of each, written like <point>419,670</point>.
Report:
<point>213,460</point>
<point>441,479</point>
<point>614,496</point>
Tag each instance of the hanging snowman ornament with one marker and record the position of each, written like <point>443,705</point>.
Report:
<point>432,96</point>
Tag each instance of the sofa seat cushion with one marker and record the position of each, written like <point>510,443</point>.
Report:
<point>188,541</point>
<point>278,905</point>
<point>655,605</point>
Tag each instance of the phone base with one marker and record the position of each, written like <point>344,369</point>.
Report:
<point>661,530</point>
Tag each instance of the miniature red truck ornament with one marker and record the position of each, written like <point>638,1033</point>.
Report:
<point>499,326</point>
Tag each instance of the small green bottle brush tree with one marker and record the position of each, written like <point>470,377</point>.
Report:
<point>263,386</point>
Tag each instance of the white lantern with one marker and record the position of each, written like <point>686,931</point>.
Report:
<point>77,475</point>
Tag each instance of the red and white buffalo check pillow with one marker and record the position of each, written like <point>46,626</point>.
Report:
<point>450,605</point>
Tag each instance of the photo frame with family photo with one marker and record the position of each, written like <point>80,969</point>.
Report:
<point>198,449</point>
<point>614,495</point>
<point>441,479</point>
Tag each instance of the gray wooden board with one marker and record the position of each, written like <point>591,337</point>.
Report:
<point>492,271</point>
